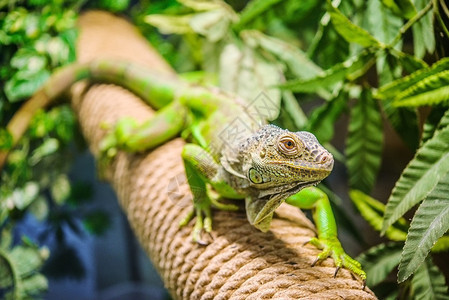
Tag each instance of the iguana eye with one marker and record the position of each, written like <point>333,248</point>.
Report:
<point>288,145</point>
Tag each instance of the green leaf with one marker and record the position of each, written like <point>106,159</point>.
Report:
<point>60,189</point>
<point>379,261</point>
<point>18,88</point>
<point>203,5</point>
<point>22,197</point>
<point>382,23</point>
<point>170,24</point>
<point>34,285</point>
<point>294,110</point>
<point>423,36</point>
<point>41,124</point>
<point>349,31</point>
<point>5,139</point>
<point>295,59</point>
<point>254,9</point>
<point>214,24</point>
<point>429,91</point>
<point>114,5</point>
<point>245,73</point>
<point>364,143</point>
<point>402,8</point>
<point>430,222</point>
<point>392,89</point>
<point>39,208</point>
<point>349,69</point>
<point>322,120</point>
<point>373,210</point>
<point>64,117</point>
<point>419,178</point>
<point>442,245</point>
<point>49,146</point>
<point>437,119</point>
<point>429,283</point>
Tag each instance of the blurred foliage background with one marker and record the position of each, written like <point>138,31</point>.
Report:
<point>368,78</point>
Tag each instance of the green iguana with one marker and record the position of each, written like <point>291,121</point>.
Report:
<point>233,152</point>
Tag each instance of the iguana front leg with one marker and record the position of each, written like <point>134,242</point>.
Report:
<point>314,198</point>
<point>201,171</point>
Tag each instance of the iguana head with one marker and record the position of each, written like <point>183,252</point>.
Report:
<point>277,164</point>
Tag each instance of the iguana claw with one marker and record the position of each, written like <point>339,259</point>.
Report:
<point>202,211</point>
<point>332,248</point>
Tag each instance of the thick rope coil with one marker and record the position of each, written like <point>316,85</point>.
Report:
<point>240,262</point>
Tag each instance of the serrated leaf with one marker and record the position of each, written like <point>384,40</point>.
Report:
<point>379,261</point>
<point>429,91</point>
<point>429,223</point>
<point>403,8</point>
<point>429,283</point>
<point>392,89</point>
<point>373,211</point>
<point>245,73</point>
<point>419,178</point>
<point>348,69</point>
<point>437,119</point>
<point>322,119</point>
<point>364,143</point>
<point>349,31</point>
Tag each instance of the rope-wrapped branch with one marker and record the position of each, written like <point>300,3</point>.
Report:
<point>240,262</point>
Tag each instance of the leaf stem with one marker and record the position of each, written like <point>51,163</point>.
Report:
<point>438,16</point>
<point>410,23</point>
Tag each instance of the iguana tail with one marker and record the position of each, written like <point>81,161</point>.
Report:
<point>156,89</point>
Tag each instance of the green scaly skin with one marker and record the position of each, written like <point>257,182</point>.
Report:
<point>232,153</point>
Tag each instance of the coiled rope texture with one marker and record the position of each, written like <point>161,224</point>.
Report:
<point>240,262</point>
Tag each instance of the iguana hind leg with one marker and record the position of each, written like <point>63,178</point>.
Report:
<point>130,136</point>
<point>202,171</point>
<point>327,240</point>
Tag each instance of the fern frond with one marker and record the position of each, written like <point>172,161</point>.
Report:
<point>364,143</point>
<point>430,222</point>
<point>419,178</point>
<point>390,90</point>
<point>429,283</point>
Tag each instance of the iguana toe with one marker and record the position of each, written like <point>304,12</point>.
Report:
<point>332,248</point>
